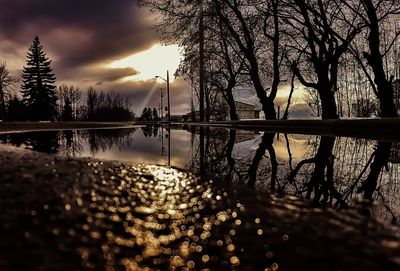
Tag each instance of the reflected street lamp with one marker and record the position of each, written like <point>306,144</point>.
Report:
<point>169,108</point>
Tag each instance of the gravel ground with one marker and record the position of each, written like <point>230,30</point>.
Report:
<point>82,214</point>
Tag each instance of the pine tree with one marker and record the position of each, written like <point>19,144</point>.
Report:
<point>144,114</point>
<point>38,89</point>
<point>155,114</point>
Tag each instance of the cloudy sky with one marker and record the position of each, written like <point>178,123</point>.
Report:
<point>109,45</point>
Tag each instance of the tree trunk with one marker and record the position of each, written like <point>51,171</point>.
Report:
<point>286,114</point>
<point>384,86</point>
<point>382,155</point>
<point>375,60</point>
<point>267,141</point>
<point>231,161</point>
<point>387,106</point>
<point>328,103</point>
<point>274,166</point>
<point>269,110</point>
<point>2,105</point>
<point>324,157</point>
<point>208,108</point>
<point>232,106</point>
<point>267,104</point>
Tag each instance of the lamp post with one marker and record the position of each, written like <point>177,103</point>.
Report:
<point>161,103</point>
<point>169,108</point>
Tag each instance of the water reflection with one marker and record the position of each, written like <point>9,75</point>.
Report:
<point>48,142</point>
<point>321,186</point>
<point>331,172</point>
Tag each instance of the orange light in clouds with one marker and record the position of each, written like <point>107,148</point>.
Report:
<point>149,63</point>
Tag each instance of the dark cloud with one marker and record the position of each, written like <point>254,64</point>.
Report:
<point>74,33</point>
<point>78,31</point>
<point>82,37</point>
<point>110,75</point>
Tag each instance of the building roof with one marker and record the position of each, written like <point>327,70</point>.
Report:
<point>250,106</point>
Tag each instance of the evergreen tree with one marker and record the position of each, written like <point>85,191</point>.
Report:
<point>149,115</point>
<point>144,114</point>
<point>155,114</point>
<point>38,89</point>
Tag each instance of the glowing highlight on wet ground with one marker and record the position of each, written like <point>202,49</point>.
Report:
<point>94,215</point>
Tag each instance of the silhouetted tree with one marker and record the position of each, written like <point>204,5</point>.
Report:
<point>16,109</point>
<point>245,23</point>
<point>107,107</point>
<point>374,13</point>
<point>321,32</point>
<point>155,114</point>
<point>223,69</point>
<point>147,114</point>
<point>238,24</point>
<point>67,110</point>
<point>6,83</point>
<point>364,108</point>
<point>91,102</point>
<point>74,95</point>
<point>38,89</point>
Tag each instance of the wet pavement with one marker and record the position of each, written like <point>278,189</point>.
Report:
<point>83,214</point>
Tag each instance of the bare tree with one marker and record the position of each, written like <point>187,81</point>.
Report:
<point>6,84</point>
<point>374,14</point>
<point>71,94</point>
<point>245,21</point>
<point>223,68</point>
<point>320,33</point>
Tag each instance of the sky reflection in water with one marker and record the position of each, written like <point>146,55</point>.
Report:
<point>332,172</point>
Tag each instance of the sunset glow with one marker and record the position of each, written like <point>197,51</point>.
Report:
<point>149,63</point>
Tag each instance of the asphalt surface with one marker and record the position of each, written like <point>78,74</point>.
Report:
<point>82,214</point>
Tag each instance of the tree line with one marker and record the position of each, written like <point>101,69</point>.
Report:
<point>41,100</point>
<point>343,53</point>
<point>149,114</point>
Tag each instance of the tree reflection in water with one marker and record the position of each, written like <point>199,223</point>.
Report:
<point>321,186</point>
<point>266,144</point>
<point>381,157</point>
<point>331,172</point>
<point>150,130</point>
<point>70,142</point>
<point>47,142</point>
<point>108,139</point>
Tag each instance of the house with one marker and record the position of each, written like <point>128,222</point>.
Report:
<point>247,111</point>
<point>243,110</point>
<point>247,107</point>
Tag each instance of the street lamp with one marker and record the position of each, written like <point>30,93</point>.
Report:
<point>161,103</point>
<point>169,108</point>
